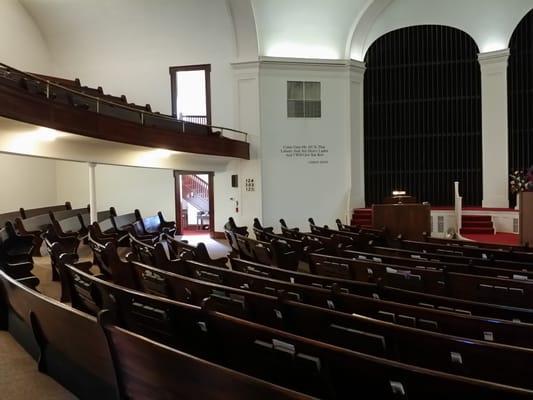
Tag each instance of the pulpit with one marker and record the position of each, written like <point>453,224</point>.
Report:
<point>411,220</point>
<point>526,218</point>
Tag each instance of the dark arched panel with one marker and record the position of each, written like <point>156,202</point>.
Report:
<point>423,115</point>
<point>520,97</point>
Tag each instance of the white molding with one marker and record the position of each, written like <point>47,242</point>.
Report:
<point>494,57</point>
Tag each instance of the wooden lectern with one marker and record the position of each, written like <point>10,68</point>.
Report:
<point>410,220</point>
<point>526,218</point>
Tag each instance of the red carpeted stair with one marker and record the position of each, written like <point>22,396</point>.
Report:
<point>477,224</point>
<point>362,217</point>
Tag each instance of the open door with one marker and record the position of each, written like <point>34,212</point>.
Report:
<point>194,202</point>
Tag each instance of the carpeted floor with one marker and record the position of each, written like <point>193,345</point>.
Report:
<point>19,377</point>
<point>498,238</point>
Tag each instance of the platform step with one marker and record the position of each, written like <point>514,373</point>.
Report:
<point>484,231</point>
<point>477,218</point>
<point>477,224</point>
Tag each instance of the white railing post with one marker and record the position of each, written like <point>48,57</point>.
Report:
<point>458,208</point>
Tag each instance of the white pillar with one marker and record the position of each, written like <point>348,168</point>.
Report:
<point>92,192</point>
<point>357,135</point>
<point>494,128</point>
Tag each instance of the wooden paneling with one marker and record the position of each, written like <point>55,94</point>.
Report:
<point>409,220</point>
<point>422,118</point>
<point>526,218</point>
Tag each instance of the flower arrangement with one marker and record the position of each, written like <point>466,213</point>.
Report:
<point>519,181</point>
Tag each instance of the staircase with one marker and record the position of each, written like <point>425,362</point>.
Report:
<point>195,192</point>
<point>477,224</point>
<point>362,217</point>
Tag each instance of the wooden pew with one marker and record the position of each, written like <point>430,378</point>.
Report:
<point>365,302</point>
<point>196,252</point>
<point>15,252</point>
<point>58,257</point>
<point>278,252</point>
<point>147,369</point>
<point>510,292</point>
<point>448,304</point>
<point>493,254</point>
<point>33,212</point>
<point>431,350</point>
<point>71,346</point>
<point>156,224</point>
<point>417,260</point>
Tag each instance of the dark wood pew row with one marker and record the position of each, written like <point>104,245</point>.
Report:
<point>378,237</point>
<point>96,101</point>
<point>33,212</point>
<point>472,244</point>
<point>68,344</point>
<point>147,369</point>
<point>16,253</point>
<point>486,253</point>
<point>448,304</point>
<point>367,303</point>
<point>121,225</point>
<point>426,260</point>
<point>517,293</point>
<point>95,361</point>
<point>198,252</point>
<point>431,350</point>
<point>359,229</point>
<point>156,224</point>
<point>277,252</point>
<point>303,246</point>
<point>454,258</point>
<point>230,230</point>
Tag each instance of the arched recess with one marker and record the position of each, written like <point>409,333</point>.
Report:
<point>242,15</point>
<point>520,97</point>
<point>422,121</point>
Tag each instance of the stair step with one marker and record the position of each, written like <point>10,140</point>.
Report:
<point>476,218</point>
<point>477,224</point>
<point>486,231</point>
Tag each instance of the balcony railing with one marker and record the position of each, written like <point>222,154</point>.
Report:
<point>130,112</point>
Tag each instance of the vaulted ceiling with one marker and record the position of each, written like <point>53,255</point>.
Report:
<point>335,29</point>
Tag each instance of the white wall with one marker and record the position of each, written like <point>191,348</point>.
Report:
<point>294,188</point>
<point>125,188</point>
<point>21,43</point>
<point>27,182</point>
<point>127,46</point>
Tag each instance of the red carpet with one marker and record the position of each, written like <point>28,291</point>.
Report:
<point>194,232</point>
<point>499,238</point>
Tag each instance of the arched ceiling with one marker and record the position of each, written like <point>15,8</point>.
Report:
<point>328,29</point>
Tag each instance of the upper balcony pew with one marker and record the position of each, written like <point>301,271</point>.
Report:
<point>90,112</point>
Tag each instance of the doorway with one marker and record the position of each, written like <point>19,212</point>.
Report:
<point>191,93</point>
<point>194,202</point>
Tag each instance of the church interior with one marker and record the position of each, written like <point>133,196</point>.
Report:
<point>266,199</point>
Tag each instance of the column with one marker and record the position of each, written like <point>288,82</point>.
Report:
<point>357,135</point>
<point>494,128</point>
<point>92,192</point>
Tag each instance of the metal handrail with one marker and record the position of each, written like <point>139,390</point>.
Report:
<point>127,107</point>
